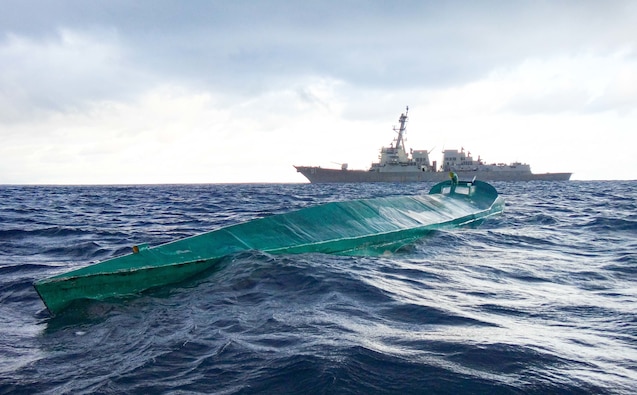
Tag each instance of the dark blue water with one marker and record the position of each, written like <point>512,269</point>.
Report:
<point>542,299</point>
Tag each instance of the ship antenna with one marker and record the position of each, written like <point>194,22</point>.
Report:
<point>400,140</point>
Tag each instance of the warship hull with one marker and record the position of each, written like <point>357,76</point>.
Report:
<point>319,175</point>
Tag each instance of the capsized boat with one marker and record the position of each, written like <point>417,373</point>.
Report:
<point>395,164</point>
<point>352,227</point>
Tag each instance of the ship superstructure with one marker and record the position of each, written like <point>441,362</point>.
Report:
<point>395,157</point>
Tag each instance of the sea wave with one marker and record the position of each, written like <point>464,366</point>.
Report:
<point>539,300</point>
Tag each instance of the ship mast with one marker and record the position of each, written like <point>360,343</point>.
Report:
<point>400,143</point>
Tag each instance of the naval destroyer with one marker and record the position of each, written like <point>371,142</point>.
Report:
<point>395,164</point>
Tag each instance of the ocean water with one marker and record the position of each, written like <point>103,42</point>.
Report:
<point>542,299</point>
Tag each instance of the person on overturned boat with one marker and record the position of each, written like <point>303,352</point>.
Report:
<point>454,181</point>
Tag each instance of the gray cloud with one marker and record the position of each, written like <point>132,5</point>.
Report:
<point>245,47</point>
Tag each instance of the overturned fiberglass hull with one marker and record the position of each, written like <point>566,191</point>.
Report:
<point>350,228</point>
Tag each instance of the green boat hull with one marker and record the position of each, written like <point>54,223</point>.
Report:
<point>351,228</point>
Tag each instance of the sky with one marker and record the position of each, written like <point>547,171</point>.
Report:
<point>147,92</point>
